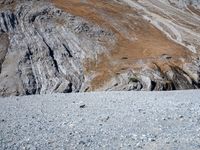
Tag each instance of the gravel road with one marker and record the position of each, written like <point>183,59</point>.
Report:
<point>114,120</point>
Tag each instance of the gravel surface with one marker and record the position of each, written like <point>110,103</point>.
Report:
<point>114,120</point>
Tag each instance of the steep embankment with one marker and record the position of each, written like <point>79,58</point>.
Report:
<point>71,46</point>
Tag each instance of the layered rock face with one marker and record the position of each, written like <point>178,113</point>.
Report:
<point>46,49</point>
<point>51,46</point>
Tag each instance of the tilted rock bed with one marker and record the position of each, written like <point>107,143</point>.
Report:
<point>58,46</point>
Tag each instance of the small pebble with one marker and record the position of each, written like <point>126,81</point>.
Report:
<point>180,116</point>
<point>82,106</point>
<point>82,142</point>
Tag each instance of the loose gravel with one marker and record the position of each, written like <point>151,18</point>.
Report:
<point>104,120</point>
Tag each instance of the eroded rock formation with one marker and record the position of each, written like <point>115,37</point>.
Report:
<point>75,46</point>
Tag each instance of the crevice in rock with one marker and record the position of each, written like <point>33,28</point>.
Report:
<point>69,88</point>
<point>153,85</point>
<point>1,62</point>
<point>38,86</point>
<point>27,76</point>
<point>4,43</point>
<point>4,20</point>
<point>51,53</point>
<point>67,49</point>
<point>179,79</point>
<point>1,30</point>
<point>173,86</point>
<point>28,81</point>
<point>13,20</point>
<point>0,66</point>
<point>29,54</point>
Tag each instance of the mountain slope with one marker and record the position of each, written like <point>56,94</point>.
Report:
<point>74,46</point>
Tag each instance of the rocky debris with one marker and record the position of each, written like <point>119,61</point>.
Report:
<point>82,106</point>
<point>111,120</point>
<point>44,48</point>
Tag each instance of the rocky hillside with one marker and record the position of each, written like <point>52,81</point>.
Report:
<point>67,46</point>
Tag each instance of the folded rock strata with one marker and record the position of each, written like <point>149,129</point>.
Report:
<point>51,46</point>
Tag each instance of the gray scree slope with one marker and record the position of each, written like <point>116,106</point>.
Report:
<point>126,120</point>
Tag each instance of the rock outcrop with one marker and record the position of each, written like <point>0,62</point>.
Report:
<point>47,48</point>
<point>51,46</point>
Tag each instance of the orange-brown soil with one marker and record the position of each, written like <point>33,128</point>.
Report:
<point>137,39</point>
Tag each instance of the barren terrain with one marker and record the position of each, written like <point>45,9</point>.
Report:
<point>102,120</point>
<point>95,45</point>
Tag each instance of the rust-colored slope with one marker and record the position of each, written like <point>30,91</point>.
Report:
<point>137,39</point>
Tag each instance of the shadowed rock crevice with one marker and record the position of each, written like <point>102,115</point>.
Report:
<point>181,79</point>
<point>51,54</point>
<point>26,74</point>
<point>8,21</point>
<point>4,21</point>
<point>13,20</point>
<point>4,43</point>
<point>68,89</point>
<point>68,51</point>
